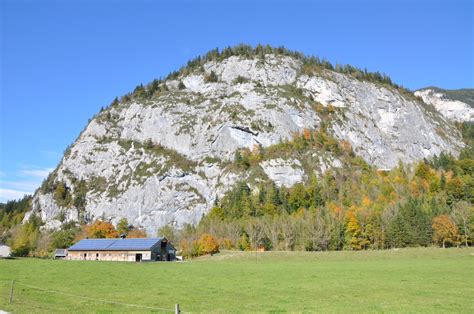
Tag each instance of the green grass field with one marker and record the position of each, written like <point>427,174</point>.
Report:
<point>408,280</point>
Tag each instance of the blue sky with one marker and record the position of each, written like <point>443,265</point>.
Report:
<point>61,61</point>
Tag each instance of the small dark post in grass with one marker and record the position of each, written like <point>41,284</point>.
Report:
<point>11,291</point>
<point>176,309</point>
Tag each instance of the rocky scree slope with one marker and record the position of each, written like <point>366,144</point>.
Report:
<point>163,155</point>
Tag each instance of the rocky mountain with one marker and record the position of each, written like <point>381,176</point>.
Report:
<point>455,105</point>
<point>165,152</point>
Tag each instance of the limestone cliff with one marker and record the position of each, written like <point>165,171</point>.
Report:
<point>451,108</point>
<point>164,156</point>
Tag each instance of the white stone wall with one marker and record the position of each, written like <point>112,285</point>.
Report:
<point>120,256</point>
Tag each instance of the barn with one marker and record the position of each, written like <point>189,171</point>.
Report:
<point>125,250</point>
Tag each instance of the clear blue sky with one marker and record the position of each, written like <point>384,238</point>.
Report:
<point>62,60</point>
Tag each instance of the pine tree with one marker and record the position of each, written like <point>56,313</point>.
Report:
<point>244,243</point>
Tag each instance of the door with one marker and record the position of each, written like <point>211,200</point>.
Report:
<point>138,257</point>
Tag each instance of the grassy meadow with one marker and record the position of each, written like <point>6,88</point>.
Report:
<point>405,280</point>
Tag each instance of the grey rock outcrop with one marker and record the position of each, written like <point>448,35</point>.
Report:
<point>283,172</point>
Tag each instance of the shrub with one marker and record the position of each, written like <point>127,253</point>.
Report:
<point>208,244</point>
<point>240,80</point>
<point>62,194</point>
<point>227,244</point>
<point>211,78</point>
<point>189,248</point>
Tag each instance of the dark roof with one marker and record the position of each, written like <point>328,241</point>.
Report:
<point>115,244</point>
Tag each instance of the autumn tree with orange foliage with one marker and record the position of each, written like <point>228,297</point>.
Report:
<point>208,244</point>
<point>445,231</point>
<point>306,134</point>
<point>101,229</point>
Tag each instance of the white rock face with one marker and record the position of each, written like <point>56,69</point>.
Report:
<point>451,109</point>
<point>163,160</point>
<point>283,172</point>
<point>272,71</point>
<point>381,125</point>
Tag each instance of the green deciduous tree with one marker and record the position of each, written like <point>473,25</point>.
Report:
<point>123,227</point>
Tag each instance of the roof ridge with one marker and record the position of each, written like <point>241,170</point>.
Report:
<point>111,244</point>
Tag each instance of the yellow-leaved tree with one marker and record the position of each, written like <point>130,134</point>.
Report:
<point>445,231</point>
<point>208,244</point>
<point>354,233</point>
<point>101,229</point>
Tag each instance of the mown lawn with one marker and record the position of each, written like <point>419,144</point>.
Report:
<point>408,280</point>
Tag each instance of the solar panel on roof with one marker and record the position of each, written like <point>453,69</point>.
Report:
<point>137,244</point>
<point>114,244</point>
<point>92,244</point>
